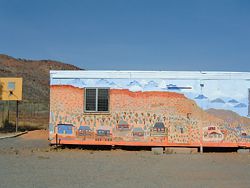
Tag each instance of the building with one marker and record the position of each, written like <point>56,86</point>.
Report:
<point>64,129</point>
<point>123,125</point>
<point>138,131</point>
<point>173,108</point>
<point>85,130</point>
<point>103,133</point>
<point>158,129</point>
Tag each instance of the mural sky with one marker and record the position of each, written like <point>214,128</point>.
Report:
<point>219,94</point>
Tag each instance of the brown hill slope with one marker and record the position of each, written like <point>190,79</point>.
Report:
<point>34,108</point>
<point>229,116</point>
<point>67,103</point>
<point>35,75</point>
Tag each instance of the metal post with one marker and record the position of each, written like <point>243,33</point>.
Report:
<point>201,131</point>
<point>201,149</point>
<point>8,114</point>
<point>17,115</point>
<point>56,139</point>
<point>3,117</point>
<point>201,136</point>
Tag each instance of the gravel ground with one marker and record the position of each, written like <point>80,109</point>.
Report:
<point>32,163</point>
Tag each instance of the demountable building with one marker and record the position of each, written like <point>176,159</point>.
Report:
<point>152,99</point>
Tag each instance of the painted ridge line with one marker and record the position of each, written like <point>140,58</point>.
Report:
<point>13,135</point>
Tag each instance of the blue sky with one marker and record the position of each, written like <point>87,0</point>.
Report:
<point>129,34</point>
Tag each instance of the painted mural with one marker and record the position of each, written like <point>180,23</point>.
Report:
<point>152,112</point>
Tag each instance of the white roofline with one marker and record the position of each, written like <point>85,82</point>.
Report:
<point>203,75</point>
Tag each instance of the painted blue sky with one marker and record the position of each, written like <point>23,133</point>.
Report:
<point>210,97</point>
<point>128,34</point>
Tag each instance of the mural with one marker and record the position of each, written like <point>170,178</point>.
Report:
<point>153,112</point>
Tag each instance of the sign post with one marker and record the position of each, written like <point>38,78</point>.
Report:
<point>17,116</point>
<point>11,90</point>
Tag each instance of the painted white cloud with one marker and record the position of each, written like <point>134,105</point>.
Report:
<point>162,84</point>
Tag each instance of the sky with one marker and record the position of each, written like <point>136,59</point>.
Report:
<point>202,35</point>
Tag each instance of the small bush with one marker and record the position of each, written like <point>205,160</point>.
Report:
<point>8,126</point>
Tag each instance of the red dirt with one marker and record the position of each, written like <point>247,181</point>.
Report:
<point>36,135</point>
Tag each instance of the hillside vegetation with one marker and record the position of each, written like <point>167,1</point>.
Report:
<point>35,75</point>
<point>34,108</point>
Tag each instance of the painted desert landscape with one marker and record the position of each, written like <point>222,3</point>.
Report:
<point>181,118</point>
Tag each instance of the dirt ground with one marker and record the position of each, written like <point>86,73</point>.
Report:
<point>28,161</point>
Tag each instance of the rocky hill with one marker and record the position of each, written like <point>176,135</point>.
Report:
<point>35,75</point>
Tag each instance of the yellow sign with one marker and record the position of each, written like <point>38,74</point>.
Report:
<point>11,89</point>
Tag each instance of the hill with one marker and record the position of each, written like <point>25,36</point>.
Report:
<point>139,109</point>
<point>229,116</point>
<point>35,75</point>
<point>173,106</point>
<point>34,108</point>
